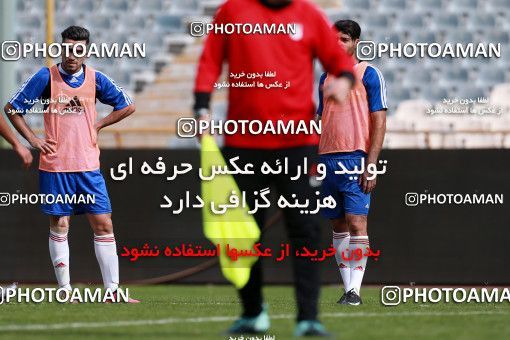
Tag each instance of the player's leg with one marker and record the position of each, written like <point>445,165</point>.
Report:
<point>303,231</point>
<point>359,240</point>
<point>99,216</point>
<point>106,249</point>
<point>53,183</point>
<point>254,318</point>
<point>98,211</point>
<point>331,186</point>
<point>59,249</point>
<point>341,238</point>
<point>357,205</point>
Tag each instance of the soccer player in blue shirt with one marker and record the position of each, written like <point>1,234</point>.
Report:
<point>69,161</point>
<point>352,133</point>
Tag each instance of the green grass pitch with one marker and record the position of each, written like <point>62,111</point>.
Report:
<point>204,312</point>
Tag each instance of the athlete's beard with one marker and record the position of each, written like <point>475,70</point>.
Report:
<point>69,69</point>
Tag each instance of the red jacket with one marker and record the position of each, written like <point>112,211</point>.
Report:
<point>290,57</point>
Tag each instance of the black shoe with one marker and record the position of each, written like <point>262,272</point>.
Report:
<point>343,300</point>
<point>251,325</point>
<point>353,298</point>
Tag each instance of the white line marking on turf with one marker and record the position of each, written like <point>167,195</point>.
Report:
<point>123,323</point>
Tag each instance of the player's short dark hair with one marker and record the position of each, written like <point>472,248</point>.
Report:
<point>76,33</point>
<point>349,27</point>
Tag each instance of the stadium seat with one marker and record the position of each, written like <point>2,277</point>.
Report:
<point>31,6</point>
<point>445,21</point>
<point>397,94</point>
<point>31,36</point>
<point>392,5</point>
<point>459,36</point>
<point>389,76</point>
<point>428,6</point>
<point>455,74</point>
<point>357,4</point>
<point>60,6</point>
<point>115,6</point>
<point>498,5</point>
<point>64,21</point>
<point>34,22</point>
<point>209,7</point>
<point>406,22</point>
<point>99,22</point>
<point>21,6</point>
<point>137,23</point>
<point>183,7</point>
<point>154,44</point>
<point>470,91</point>
<point>423,36</point>
<point>149,6</point>
<point>355,14</point>
<point>169,23</point>
<point>505,57</point>
<point>417,76</point>
<point>377,22</point>
<point>134,64</point>
<point>335,14</point>
<point>85,6</point>
<point>434,93</point>
<point>387,37</point>
<point>481,21</point>
<point>498,36</point>
<point>463,5</point>
<point>489,76</point>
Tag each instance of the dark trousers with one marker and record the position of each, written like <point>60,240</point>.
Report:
<point>302,230</point>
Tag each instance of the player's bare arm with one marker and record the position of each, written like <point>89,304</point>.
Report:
<point>338,89</point>
<point>19,123</point>
<point>115,117</point>
<point>19,148</point>
<point>377,132</point>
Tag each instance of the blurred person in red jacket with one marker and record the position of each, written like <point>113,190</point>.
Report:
<point>286,56</point>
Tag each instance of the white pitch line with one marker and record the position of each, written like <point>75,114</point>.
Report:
<point>124,323</point>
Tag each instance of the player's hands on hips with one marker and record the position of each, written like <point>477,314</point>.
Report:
<point>367,185</point>
<point>44,145</point>
<point>97,128</point>
<point>338,89</point>
<point>24,154</point>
